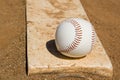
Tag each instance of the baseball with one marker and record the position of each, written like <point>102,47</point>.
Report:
<point>75,37</point>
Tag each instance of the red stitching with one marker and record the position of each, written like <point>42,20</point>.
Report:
<point>93,37</point>
<point>78,36</point>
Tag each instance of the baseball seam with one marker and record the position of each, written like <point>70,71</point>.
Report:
<point>93,36</point>
<point>78,36</point>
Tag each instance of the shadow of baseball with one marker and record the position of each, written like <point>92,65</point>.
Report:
<point>51,47</point>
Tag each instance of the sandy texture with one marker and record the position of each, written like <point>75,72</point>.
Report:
<point>105,16</point>
<point>43,56</point>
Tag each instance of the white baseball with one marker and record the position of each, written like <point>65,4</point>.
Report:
<point>75,37</point>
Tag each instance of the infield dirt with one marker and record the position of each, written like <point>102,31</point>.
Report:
<point>104,15</point>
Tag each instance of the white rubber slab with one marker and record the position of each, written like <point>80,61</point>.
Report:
<point>43,16</point>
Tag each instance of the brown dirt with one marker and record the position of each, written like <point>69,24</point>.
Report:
<point>104,14</point>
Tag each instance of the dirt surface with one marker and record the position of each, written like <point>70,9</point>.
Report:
<point>104,14</point>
